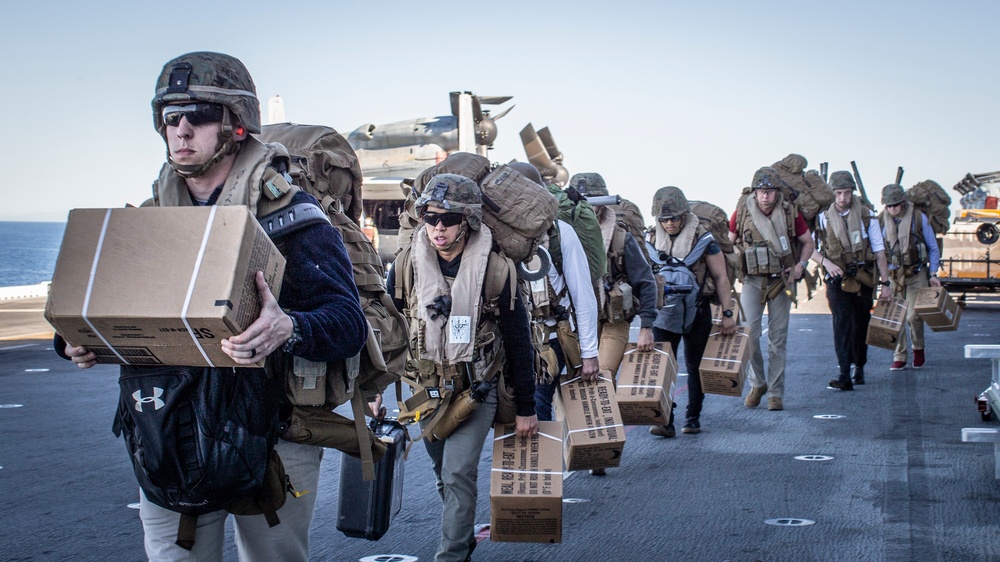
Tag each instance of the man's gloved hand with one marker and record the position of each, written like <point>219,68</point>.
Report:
<point>440,307</point>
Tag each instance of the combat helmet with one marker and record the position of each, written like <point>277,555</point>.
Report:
<point>765,178</point>
<point>589,184</point>
<point>456,194</point>
<point>207,77</point>
<point>212,78</point>
<point>842,179</point>
<point>893,194</point>
<point>669,202</point>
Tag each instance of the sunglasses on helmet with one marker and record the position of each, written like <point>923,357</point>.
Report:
<point>447,219</point>
<point>196,114</point>
<point>764,184</point>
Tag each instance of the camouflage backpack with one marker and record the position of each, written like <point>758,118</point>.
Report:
<point>928,196</point>
<point>716,221</point>
<point>805,188</point>
<point>630,217</point>
<point>324,165</point>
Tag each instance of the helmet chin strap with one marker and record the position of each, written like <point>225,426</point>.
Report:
<point>225,147</point>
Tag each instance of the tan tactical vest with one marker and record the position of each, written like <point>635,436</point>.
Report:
<point>758,257</point>
<point>488,357</point>
<point>916,256</point>
<point>833,250</point>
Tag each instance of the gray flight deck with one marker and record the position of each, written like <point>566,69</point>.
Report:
<point>899,484</point>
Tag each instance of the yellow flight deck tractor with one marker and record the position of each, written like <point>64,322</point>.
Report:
<point>970,252</point>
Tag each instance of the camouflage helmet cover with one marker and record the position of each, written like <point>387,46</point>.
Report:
<point>893,194</point>
<point>456,194</point>
<point>842,179</point>
<point>765,178</point>
<point>212,78</point>
<point>669,202</point>
<point>589,184</point>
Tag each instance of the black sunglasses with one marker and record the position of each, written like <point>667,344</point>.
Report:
<point>447,219</point>
<point>196,114</point>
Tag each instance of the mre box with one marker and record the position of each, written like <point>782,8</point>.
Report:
<point>594,434</point>
<point>646,382</point>
<point>526,485</point>
<point>886,323</point>
<point>160,285</point>
<point>937,309</point>
<point>723,366</point>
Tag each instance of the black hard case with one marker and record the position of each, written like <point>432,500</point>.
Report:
<point>365,509</point>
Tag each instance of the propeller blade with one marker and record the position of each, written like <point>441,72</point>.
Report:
<point>477,109</point>
<point>453,98</point>
<point>550,144</point>
<point>533,147</point>
<point>504,112</point>
<point>494,100</point>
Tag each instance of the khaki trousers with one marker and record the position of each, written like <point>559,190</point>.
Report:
<point>914,325</point>
<point>778,310</point>
<point>611,349</point>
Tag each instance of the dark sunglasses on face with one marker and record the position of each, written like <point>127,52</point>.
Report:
<point>196,114</point>
<point>893,205</point>
<point>447,219</point>
<point>675,218</point>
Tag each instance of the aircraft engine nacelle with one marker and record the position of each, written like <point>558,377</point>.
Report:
<point>486,132</point>
<point>363,133</point>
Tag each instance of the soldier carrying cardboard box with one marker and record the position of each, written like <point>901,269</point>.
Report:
<point>914,260</point>
<point>849,246</point>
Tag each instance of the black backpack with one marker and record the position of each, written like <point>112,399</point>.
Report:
<point>202,439</point>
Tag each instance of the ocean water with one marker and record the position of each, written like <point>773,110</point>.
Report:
<point>28,251</point>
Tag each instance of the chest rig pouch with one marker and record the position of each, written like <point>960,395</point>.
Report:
<point>760,260</point>
<point>619,306</point>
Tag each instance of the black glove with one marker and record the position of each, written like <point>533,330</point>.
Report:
<point>440,307</point>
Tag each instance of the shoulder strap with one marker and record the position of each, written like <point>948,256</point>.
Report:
<point>292,218</point>
<point>499,271</point>
<point>699,249</point>
<point>404,274</point>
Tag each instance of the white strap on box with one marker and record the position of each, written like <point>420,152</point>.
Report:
<point>540,434</point>
<point>640,386</point>
<point>595,428</point>
<point>90,287</point>
<point>194,278</point>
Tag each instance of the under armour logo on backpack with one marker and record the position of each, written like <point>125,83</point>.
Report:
<point>154,399</point>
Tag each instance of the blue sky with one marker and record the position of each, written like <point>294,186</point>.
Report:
<point>692,94</point>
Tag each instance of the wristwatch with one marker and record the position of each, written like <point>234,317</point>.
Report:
<point>295,339</point>
<point>884,283</point>
<point>727,313</point>
<point>804,264</point>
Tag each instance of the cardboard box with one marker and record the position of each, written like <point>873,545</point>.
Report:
<point>887,323</point>
<point>594,435</point>
<point>734,305</point>
<point>937,309</point>
<point>162,285</point>
<point>724,364</point>
<point>646,383</point>
<point>526,485</point>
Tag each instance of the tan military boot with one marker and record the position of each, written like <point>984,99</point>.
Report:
<point>774,403</point>
<point>756,393</point>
